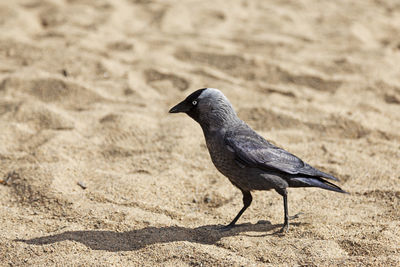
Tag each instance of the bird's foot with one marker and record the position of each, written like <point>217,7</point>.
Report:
<point>295,216</point>
<point>284,229</point>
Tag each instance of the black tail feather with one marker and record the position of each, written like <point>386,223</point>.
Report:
<point>328,176</point>
<point>314,182</point>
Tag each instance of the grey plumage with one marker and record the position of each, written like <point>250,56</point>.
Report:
<point>248,160</point>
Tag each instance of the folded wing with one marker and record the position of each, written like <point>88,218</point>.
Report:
<point>252,150</point>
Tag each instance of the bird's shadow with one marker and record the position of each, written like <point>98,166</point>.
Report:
<point>137,239</point>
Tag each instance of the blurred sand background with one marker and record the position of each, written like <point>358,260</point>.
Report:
<point>85,87</point>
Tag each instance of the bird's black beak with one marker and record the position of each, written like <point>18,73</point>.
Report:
<point>181,107</point>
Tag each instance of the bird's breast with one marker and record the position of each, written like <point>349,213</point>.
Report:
<point>245,178</point>
<point>222,157</point>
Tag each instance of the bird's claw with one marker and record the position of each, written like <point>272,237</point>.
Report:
<point>295,216</point>
<point>284,229</point>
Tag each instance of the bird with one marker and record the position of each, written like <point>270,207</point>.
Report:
<point>249,161</point>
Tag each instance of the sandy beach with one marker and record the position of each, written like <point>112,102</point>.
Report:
<point>95,172</point>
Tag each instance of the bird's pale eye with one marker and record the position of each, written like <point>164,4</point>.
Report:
<point>194,102</point>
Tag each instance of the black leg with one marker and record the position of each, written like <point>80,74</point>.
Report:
<point>285,227</point>
<point>283,193</point>
<point>247,198</point>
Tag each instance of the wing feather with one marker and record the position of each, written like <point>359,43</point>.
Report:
<point>254,151</point>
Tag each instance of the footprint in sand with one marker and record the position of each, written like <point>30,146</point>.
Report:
<point>53,90</point>
<point>153,77</point>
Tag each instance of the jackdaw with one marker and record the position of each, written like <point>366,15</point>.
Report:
<point>248,160</point>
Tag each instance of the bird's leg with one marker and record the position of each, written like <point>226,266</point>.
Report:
<point>285,228</point>
<point>247,198</point>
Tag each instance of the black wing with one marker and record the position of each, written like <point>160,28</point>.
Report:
<point>253,150</point>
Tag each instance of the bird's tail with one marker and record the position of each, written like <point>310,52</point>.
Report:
<point>314,182</point>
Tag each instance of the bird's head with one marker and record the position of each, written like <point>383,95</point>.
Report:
<point>208,106</point>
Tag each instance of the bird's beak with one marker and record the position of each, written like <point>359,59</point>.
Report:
<point>181,107</point>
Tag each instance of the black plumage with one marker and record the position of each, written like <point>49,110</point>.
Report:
<point>248,160</point>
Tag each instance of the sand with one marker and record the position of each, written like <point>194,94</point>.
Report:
<point>95,172</point>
